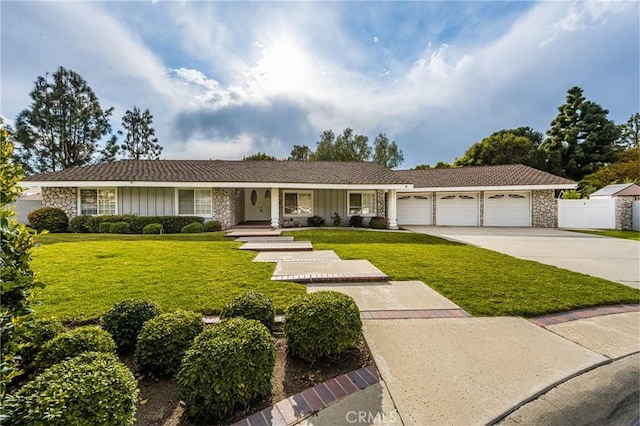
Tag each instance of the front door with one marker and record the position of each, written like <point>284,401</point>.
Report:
<point>257,204</point>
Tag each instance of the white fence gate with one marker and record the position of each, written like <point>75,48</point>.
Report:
<point>585,214</point>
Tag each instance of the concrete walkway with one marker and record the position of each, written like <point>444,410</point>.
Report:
<point>613,259</point>
<point>439,366</point>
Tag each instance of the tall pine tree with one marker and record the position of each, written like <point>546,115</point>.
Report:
<point>64,124</point>
<point>140,141</point>
<point>581,137</point>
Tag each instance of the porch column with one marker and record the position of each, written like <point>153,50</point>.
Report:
<point>275,208</point>
<point>391,200</point>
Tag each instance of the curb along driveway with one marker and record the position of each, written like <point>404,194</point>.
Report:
<point>613,259</point>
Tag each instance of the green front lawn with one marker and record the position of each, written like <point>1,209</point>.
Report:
<point>87,273</point>
<point>483,282</point>
<point>627,235</point>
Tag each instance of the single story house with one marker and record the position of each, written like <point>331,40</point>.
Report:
<point>286,193</point>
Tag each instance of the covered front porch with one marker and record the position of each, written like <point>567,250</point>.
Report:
<point>292,207</point>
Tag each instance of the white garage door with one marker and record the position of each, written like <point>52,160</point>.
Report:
<point>507,209</point>
<point>414,209</point>
<point>457,209</point>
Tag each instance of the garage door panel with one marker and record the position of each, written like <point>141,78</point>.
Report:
<point>457,209</point>
<point>507,209</point>
<point>413,209</point>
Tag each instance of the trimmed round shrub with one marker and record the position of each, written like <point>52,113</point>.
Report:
<point>355,221</point>
<point>322,323</point>
<point>105,227</point>
<point>74,342</point>
<point>378,223</point>
<point>152,228</point>
<point>118,228</point>
<point>93,388</point>
<point>315,221</point>
<point>251,305</point>
<point>83,224</point>
<point>42,331</point>
<point>164,339</point>
<point>192,228</point>
<point>50,218</point>
<point>228,367</point>
<point>212,226</point>
<point>125,320</point>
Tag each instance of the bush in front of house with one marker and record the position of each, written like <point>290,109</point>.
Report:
<point>92,388</point>
<point>125,320</point>
<point>322,323</point>
<point>192,228</point>
<point>35,337</point>
<point>84,224</point>
<point>228,367</point>
<point>355,221</point>
<point>50,218</point>
<point>152,228</point>
<point>119,228</point>
<point>336,219</point>
<point>252,305</point>
<point>74,342</point>
<point>378,222</point>
<point>315,221</point>
<point>105,228</point>
<point>212,226</point>
<point>164,339</point>
<point>170,224</point>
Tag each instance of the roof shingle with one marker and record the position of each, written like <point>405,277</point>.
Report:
<point>228,171</point>
<point>502,175</point>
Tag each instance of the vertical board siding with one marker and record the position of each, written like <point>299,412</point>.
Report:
<point>328,201</point>
<point>146,201</point>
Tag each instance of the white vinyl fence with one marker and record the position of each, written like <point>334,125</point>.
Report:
<point>635,216</point>
<point>585,214</point>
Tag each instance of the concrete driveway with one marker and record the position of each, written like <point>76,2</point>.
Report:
<point>613,259</point>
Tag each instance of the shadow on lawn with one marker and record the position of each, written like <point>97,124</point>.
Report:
<point>366,236</point>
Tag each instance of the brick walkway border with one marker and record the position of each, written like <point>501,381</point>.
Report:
<point>415,313</point>
<point>561,317</point>
<point>301,405</point>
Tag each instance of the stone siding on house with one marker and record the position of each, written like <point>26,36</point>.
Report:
<point>624,217</point>
<point>224,206</point>
<point>544,209</point>
<point>381,203</point>
<point>62,198</point>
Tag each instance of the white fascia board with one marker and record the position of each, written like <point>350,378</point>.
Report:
<point>492,188</point>
<point>111,184</point>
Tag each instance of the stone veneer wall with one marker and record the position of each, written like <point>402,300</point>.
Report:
<point>223,206</point>
<point>544,209</point>
<point>381,203</point>
<point>624,219</point>
<point>481,208</point>
<point>62,198</point>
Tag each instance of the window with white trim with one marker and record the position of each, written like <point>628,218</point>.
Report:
<point>298,203</point>
<point>98,201</point>
<point>194,201</point>
<point>362,203</point>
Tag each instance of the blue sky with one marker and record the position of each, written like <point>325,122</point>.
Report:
<point>228,79</point>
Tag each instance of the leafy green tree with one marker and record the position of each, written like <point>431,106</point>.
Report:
<point>64,124</point>
<point>442,165</point>
<point>625,170</point>
<point>140,141</point>
<point>509,146</point>
<point>260,156</point>
<point>581,136</point>
<point>630,132</point>
<point>386,153</point>
<point>300,153</point>
<point>16,276</point>
<point>350,146</point>
<point>325,147</point>
<point>422,167</point>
